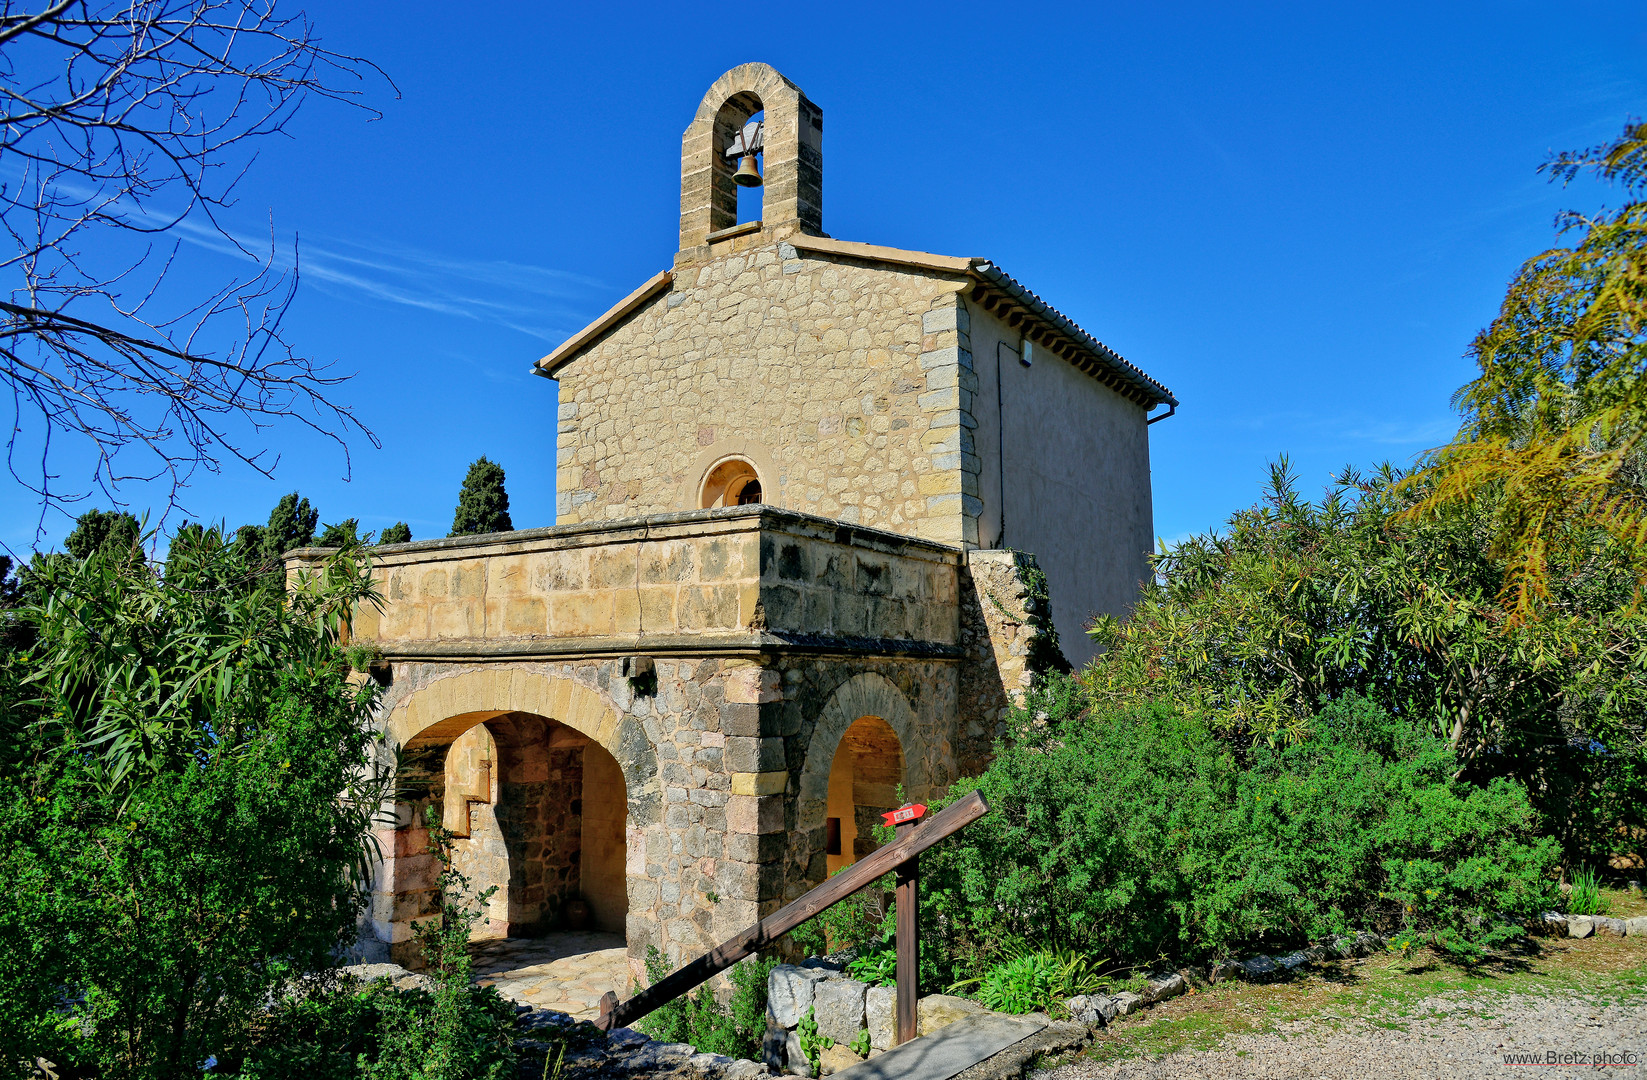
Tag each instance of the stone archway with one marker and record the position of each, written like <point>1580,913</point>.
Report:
<point>866,695</point>
<point>863,784</point>
<point>550,786</point>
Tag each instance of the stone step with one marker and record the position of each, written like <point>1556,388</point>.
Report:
<point>948,1051</point>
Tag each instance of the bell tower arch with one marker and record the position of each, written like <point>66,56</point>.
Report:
<point>792,137</point>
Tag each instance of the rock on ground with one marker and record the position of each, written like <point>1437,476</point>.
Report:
<point>1448,1035</point>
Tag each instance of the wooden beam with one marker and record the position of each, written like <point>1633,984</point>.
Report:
<point>864,872</point>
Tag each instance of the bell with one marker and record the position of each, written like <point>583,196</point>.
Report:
<point>747,175</point>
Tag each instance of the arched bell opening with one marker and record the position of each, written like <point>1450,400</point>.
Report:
<point>740,157</point>
<point>537,812</point>
<point>863,784</point>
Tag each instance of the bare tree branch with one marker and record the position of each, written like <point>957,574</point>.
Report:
<point>123,122</point>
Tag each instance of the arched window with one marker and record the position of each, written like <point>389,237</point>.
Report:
<point>732,482</point>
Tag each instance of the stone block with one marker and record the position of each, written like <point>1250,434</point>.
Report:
<point>938,1011</point>
<point>759,783</point>
<point>1161,987</point>
<point>773,1044</point>
<point>755,847</point>
<point>741,719</point>
<point>1580,926</point>
<point>1636,927</point>
<point>881,1015</point>
<point>752,685</point>
<point>790,992</point>
<point>795,1063</point>
<point>1258,967</point>
<point>1606,926</point>
<point>834,1059</point>
<point>840,1008</point>
<point>750,755</point>
<point>754,815</point>
<point>1127,1003</point>
<point>1084,1010</point>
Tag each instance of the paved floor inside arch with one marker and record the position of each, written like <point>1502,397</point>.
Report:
<point>566,971</point>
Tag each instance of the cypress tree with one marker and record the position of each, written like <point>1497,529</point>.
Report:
<point>248,543</point>
<point>114,531</point>
<point>398,533</point>
<point>483,505</point>
<point>291,525</point>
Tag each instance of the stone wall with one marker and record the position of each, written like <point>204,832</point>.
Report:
<point>674,579</point>
<point>1007,639</point>
<point>845,379</point>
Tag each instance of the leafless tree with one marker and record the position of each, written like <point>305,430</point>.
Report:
<point>125,126</point>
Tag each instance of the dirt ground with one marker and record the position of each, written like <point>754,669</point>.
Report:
<point>1582,1001</point>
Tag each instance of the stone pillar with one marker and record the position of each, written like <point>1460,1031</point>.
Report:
<point>411,874</point>
<point>756,760</point>
<point>951,485</point>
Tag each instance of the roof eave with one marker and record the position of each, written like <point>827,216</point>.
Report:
<point>575,344</point>
<point>1075,341</point>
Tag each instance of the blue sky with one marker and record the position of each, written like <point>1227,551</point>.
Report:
<point>1295,216</point>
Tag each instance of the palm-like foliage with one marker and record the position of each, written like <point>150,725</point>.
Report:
<point>1556,420</point>
<point>144,669</point>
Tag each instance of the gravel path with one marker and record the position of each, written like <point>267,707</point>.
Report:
<point>1449,1035</point>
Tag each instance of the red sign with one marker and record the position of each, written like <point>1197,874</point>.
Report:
<point>904,813</point>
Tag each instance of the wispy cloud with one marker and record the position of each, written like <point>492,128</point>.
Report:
<point>542,302</point>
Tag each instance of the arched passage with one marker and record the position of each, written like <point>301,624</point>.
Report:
<point>540,807</point>
<point>863,784</point>
<point>885,739</point>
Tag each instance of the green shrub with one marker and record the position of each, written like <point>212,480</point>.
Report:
<point>1294,603</point>
<point>345,1031</point>
<point>1036,980</point>
<point>1021,985</point>
<point>862,919</point>
<point>878,968</point>
<point>813,1042</point>
<point>1137,832</point>
<point>373,1031</point>
<point>698,1019</point>
<point>184,806</point>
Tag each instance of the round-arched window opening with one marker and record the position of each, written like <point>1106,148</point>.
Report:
<point>732,482</point>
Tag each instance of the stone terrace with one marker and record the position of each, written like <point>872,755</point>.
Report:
<point>711,580</point>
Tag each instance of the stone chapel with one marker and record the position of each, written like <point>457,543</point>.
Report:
<point>823,508</point>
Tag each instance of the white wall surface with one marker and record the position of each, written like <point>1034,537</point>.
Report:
<point>1064,474</point>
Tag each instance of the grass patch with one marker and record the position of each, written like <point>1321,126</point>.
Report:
<point>1622,903</point>
<point>1386,990</point>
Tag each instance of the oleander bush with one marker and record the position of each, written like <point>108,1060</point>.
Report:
<point>183,800</point>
